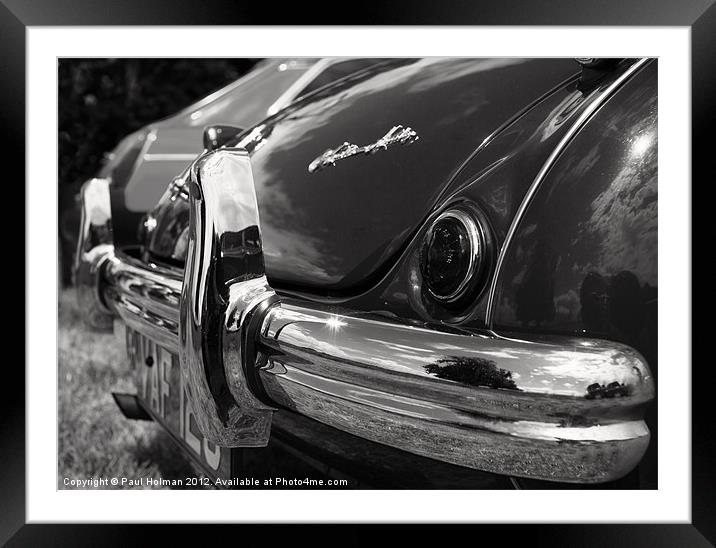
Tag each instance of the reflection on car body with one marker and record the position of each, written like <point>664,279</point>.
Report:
<point>484,298</point>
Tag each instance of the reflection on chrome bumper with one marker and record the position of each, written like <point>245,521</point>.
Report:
<point>556,408</point>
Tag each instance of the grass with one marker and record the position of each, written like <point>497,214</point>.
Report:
<point>94,439</point>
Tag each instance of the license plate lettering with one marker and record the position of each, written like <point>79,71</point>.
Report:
<point>160,386</point>
<point>209,452</point>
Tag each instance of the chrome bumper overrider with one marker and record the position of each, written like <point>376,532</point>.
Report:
<point>560,409</point>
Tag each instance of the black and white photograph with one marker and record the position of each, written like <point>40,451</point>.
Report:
<point>416,266</point>
<point>366,273</point>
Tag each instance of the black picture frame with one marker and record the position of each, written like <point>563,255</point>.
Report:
<point>17,15</point>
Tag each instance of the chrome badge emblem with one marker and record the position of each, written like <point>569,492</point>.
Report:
<point>398,134</point>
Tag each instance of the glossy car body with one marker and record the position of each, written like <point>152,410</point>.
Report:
<point>286,272</point>
<point>142,163</point>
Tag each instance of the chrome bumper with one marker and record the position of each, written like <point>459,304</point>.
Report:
<point>559,409</point>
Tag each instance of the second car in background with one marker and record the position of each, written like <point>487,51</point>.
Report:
<point>144,162</point>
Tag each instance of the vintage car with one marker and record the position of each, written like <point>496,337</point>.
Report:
<point>429,273</point>
<point>142,163</point>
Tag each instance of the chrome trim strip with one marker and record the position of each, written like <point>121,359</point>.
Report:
<point>170,157</point>
<point>603,95</point>
<point>149,137</point>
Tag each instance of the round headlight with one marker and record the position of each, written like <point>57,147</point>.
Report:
<point>452,255</point>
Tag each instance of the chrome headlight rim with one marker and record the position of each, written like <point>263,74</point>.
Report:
<point>478,254</point>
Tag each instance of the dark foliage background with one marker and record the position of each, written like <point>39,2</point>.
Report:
<point>102,100</point>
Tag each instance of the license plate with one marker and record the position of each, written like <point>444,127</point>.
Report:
<point>160,388</point>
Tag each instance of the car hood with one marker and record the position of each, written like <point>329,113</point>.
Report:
<point>339,228</point>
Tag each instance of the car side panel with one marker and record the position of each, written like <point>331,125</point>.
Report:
<point>584,257</point>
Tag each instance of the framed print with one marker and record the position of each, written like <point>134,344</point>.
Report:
<point>415,268</point>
